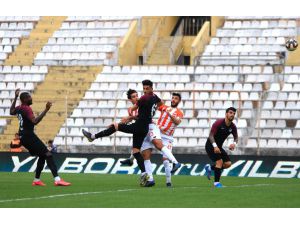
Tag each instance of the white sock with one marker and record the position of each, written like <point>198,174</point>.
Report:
<point>131,157</point>
<point>216,183</point>
<point>57,178</point>
<point>143,173</point>
<point>148,168</point>
<point>169,154</point>
<point>93,136</point>
<point>36,179</point>
<point>167,170</point>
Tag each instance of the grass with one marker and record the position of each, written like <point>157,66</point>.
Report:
<point>123,191</point>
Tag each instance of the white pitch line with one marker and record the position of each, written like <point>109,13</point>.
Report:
<point>113,191</point>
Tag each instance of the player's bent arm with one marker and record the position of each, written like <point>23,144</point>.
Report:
<point>36,120</point>
<point>12,110</point>
<point>175,119</point>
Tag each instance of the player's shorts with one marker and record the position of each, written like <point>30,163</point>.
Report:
<point>138,130</point>
<point>33,144</point>
<point>156,134</point>
<point>214,156</point>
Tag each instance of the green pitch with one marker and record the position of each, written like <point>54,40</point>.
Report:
<point>91,190</point>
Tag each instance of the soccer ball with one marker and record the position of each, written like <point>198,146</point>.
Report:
<point>291,44</point>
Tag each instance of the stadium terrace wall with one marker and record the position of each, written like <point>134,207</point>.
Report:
<point>243,166</point>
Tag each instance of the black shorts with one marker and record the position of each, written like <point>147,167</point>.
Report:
<point>138,130</point>
<point>33,144</point>
<point>214,156</point>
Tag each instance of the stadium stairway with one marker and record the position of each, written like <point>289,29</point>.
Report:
<point>60,84</point>
<point>160,55</point>
<point>29,47</point>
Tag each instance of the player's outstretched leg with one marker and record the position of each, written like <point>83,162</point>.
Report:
<point>167,153</point>
<point>168,172</point>
<point>129,161</point>
<point>104,133</point>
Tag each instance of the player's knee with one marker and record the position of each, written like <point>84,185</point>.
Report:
<point>158,144</point>
<point>146,154</point>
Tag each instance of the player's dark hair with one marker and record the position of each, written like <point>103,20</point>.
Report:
<point>23,96</point>
<point>147,83</point>
<point>50,141</point>
<point>130,92</point>
<point>231,108</point>
<point>177,94</point>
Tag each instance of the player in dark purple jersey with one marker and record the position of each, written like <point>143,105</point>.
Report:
<point>219,132</point>
<point>30,141</point>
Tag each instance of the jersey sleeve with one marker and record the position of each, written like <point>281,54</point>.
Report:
<point>158,100</point>
<point>162,107</point>
<point>215,127</point>
<point>16,110</point>
<point>234,132</point>
<point>179,114</point>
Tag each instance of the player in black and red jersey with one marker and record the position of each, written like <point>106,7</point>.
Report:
<point>30,141</point>
<point>146,106</point>
<point>133,97</point>
<point>220,130</point>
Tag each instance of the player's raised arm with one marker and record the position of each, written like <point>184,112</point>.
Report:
<point>36,120</point>
<point>12,110</point>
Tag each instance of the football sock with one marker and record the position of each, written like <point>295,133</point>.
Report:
<point>169,154</point>
<point>212,167</point>
<point>51,165</point>
<point>148,167</point>
<point>167,170</point>
<point>218,172</point>
<point>140,161</point>
<point>131,157</point>
<point>40,167</point>
<point>106,132</point>
<point>57,178</point>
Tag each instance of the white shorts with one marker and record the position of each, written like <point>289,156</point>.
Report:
<point>155,133</point>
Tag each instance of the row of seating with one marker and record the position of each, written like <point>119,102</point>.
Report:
<point>19,18</point>
<point>261,18</point>
<point>71,56</point>
<point>14,33</point>
<point>79,48</point>
<point>284,32</point>
<point>16,26</point>
<point>248,40</point>
<point>277,133</point>
<point>236,48</point>
<point>95,24</point>
<point>273,143</point>
<point>90,33</point>
<point>100,18</point>
<point>248,24</point>
<point>22,70</point>
<point>201,69</point>
<point>16,78</point>
<point>9,41</point>
<point>84,40</point>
